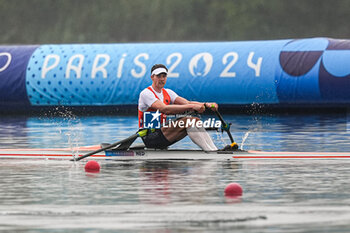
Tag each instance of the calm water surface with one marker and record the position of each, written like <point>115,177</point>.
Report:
<point>177,196</point>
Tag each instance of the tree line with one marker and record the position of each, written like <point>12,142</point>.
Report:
<point>113,21</point>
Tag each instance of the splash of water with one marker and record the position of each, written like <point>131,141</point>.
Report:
<point>244,139</point>
<point>221,138</point>
<point>71,127</point>
<point>73,135</point>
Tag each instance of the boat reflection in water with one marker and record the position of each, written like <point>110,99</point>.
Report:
<point>176,182</point>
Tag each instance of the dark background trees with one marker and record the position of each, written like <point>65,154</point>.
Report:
<point>109,21</point>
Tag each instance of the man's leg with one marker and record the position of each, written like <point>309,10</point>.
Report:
<point>201,137</point>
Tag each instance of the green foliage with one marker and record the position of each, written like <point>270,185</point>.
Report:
<point>108,21</point>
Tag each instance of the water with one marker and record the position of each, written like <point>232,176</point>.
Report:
<point>177,196</point>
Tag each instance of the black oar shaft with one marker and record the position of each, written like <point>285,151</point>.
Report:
<point>230,136</point>
<point>226,126</point>
<point>132,137</point>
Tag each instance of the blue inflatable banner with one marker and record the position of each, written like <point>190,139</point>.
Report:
<point>13,65</point>
<point>278,72</point>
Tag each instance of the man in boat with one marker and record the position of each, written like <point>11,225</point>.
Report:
<point>167,102</point>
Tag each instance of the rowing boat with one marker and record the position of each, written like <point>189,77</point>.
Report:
<point>150,154</point>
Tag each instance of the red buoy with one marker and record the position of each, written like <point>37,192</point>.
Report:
<point>233,190</point>
<point>92,166</point>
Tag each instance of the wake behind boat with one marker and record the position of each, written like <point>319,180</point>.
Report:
<point>152,154</point>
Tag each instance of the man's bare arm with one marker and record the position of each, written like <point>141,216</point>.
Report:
<point>176,108</point>
<point>183,101</point>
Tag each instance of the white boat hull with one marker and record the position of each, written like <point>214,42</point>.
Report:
<point>67,153</point>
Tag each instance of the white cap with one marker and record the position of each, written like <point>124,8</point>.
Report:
<point>159,71</point>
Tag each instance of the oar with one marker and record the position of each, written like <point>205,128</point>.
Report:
<point>128,140</point>
<point>225,126</point>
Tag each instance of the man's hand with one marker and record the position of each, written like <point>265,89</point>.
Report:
<point>198,108</point>
<point>213,106</point>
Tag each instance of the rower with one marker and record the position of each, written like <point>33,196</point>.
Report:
<point>164,101</point>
